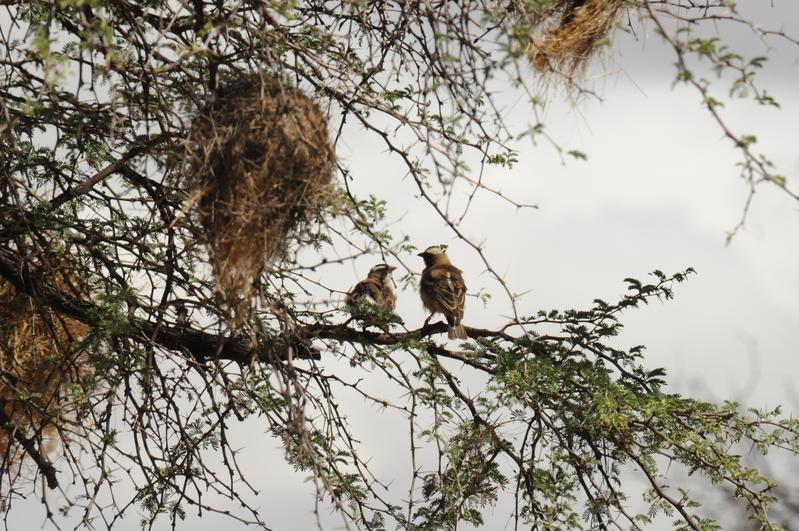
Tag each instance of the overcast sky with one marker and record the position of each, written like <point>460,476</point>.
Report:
<point>659,190</point>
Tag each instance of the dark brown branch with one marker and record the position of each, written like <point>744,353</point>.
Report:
<point>29,445</point>
<point>345,333</point>
<point>203,345</point>
<point>106,172</point>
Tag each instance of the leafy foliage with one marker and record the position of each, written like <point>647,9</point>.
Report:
<point>97,104</point>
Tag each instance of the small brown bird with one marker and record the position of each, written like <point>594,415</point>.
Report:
<point>442,290</point>
<point>376,289</point>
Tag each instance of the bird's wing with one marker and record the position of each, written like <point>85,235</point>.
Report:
<point>445,283</point>
<point>364,291</point>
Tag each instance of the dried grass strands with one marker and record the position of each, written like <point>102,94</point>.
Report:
<point>571,33</point>
<point>261,161</point>
<point>39,355</point>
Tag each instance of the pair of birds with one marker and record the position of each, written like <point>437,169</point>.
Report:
<point>442,289</point>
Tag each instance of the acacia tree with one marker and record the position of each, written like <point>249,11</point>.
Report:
<point>122,372</point>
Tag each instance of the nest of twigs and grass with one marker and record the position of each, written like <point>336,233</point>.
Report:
<point>569,33</point>
<point>260,163</point>
<point>41,354</point>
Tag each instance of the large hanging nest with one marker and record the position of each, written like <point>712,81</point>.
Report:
<point>40,355</point>
<point>569,33</point>
<point>261,162</point>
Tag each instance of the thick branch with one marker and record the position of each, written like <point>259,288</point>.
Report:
<point>28,443</point>
<point>86,185</point>
<point>203,345</point>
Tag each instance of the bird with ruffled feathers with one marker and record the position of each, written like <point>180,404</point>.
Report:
<point>375,289</point>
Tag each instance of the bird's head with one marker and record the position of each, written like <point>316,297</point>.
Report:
<point>381,271</point>
<point>435,254</point>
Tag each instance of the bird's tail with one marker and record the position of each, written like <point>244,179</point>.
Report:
<point>457,332</point>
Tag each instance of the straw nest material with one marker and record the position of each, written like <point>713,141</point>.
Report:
<point>570,32</point>
<point>261,162</point>
<point>39,357</point>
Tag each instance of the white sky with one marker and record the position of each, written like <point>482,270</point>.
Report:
<point>659,190</point>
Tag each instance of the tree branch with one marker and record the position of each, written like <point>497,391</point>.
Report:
<point>28,443</point>
<point>203,345</point>
<point>106,172</point>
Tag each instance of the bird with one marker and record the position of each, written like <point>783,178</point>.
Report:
<point>376,289</point>
<point>443,290</point>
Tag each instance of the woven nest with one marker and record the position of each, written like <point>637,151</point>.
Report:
<point>570,32</point>
<point>39,357</point>
<point>261,163</point>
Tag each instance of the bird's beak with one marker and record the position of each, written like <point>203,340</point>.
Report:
<point>391,268</point>
<point>420,254</point>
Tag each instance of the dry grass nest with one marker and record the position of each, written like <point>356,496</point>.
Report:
<point>40,354</point>
<point>569,33</point>
<point>260,162</point>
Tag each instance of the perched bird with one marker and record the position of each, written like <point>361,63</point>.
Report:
<point>442,289</point>
<point>376,288</point>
